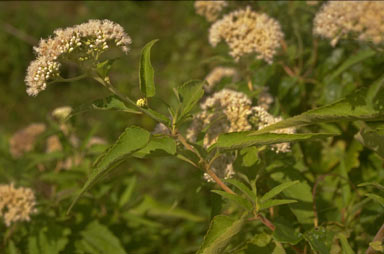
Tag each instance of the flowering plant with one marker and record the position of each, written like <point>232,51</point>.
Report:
<point>259,158</point>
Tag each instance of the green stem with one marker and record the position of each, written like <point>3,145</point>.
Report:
<point>68,80</point>
<point>206,166</point>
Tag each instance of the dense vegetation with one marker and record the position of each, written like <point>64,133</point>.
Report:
<point>189,144</point>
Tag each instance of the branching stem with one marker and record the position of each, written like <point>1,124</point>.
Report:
<point>265,221</point>
<point>205,164</point>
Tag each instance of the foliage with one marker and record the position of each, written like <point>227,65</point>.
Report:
<point>116,185</point>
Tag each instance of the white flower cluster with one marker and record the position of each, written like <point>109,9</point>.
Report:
<point>246,32</point>
<point>216,75</point>
<point>230,111</point>
<point>264,119</point>
<point>24,140</point>
<point>61,113</point>
<point>363,20</point>
<point>210,9</point>
<point>16,204</point>
<point>83,42</point>
<point>224,111</point>
<point>265,100</point>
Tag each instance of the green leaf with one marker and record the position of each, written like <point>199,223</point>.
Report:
<point>278,249</point>
<point>52,240</point>
<point>104,68</point>
<point>107,103</point>
<point>125,197</point>
<point>319,239</point>
<point>151,207</point>
<point>163,143</point>
<point>285,233</point>
<point>156,115</point>
<point>276,190</point>
<point>97,238</point>
<point>11,249</point>
<point>377,246</point>
<point>378,186</point>
<point>372,139</point>
<point>360,105</point>
<point>219,234</point>
<point>132,139</point>
<point>243,188</point>
<point>261,240</point>
<point>276,202</point>
<point>250,156</point>
<point>235,198</point>
<point>352,60</point>
<point>344,244</point>
<point>303,209</point>
<point>146,72</point>
<point>236,140</point>
<point>189,93</point>
<point>376,198</point>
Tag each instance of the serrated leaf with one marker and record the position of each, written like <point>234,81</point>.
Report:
<point>189,93</point>
<point>276,190</point>
<point>107,103</point>
<point>285,233</point>
<point>162,143</point>
<point>50,240</point>
<point>376,198</point>
<point>362,104</point>
<point>146,72</point>
<point>372,139</point>
<point>319,239</point>
<point>237,140</point>
<point>235,198</point>
<point>219,234</point>
<point>243,188</point>
<point>99,239</point>
<point>132,139</point>
<point>276,202</point>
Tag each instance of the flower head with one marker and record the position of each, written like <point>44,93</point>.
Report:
<point>362,20</point>
<point>16,204</point>
<point>263,119</point>
<point>216,75</point>
<point>209,9</point>
<point>79,43</point>
<point>246,32</point>
<point>224,111</point>
<point>61,113</point>
<point>230,111</point>
<point>24,140</point>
